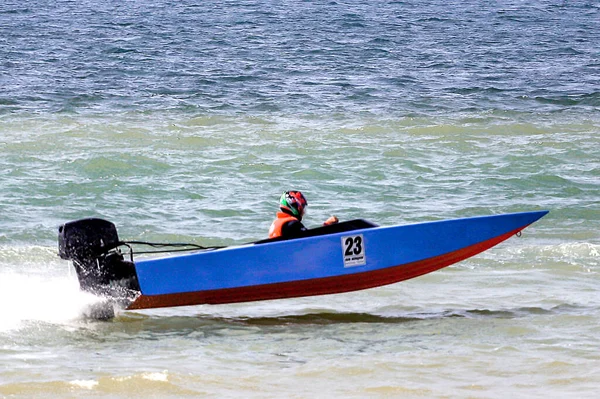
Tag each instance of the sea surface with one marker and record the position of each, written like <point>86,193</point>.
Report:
<point>184,121</point>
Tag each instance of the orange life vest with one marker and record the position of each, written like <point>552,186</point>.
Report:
<point>277,225</point>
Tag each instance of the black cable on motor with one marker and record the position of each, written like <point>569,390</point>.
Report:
<point>194,247</point>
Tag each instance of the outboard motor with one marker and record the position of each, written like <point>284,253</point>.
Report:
<point>92,246</point>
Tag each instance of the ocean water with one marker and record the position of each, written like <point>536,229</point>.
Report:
<point>185,121</point>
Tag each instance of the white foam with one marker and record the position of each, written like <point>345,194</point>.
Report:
<point>34,297</point>
<point>159,376</point>
<point>86,384</point>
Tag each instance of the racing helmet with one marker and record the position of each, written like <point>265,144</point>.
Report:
<point>294,203</point>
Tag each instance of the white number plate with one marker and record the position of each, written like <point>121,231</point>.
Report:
<point>353,249</point>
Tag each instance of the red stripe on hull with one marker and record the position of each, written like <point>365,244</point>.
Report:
<point>318,286</point>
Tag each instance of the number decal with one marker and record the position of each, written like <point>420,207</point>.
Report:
<point>353,248</point>
<point>353,245</point>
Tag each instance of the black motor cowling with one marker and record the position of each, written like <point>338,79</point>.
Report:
<point>86,238</point>
<point>101,269</point>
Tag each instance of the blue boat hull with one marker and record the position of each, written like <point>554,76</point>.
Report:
<point>323,264</point>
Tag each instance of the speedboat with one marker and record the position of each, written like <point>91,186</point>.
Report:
<point>343,257</point>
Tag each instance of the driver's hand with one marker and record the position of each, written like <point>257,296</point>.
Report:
<point>331,220</point>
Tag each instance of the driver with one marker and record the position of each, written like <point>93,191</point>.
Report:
<point>288,223</point>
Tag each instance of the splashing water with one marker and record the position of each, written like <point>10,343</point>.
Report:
<point>35,297</point>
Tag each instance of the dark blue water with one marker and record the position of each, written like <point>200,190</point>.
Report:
<point>381,57</point>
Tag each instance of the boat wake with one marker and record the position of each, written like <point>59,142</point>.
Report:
<point>30,298</point>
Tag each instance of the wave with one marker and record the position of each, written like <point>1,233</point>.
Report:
<point>193,321</point>
<point>587,99</point>
<point>402,316</point>
<point>573,249</point>
<point>582,254</point>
